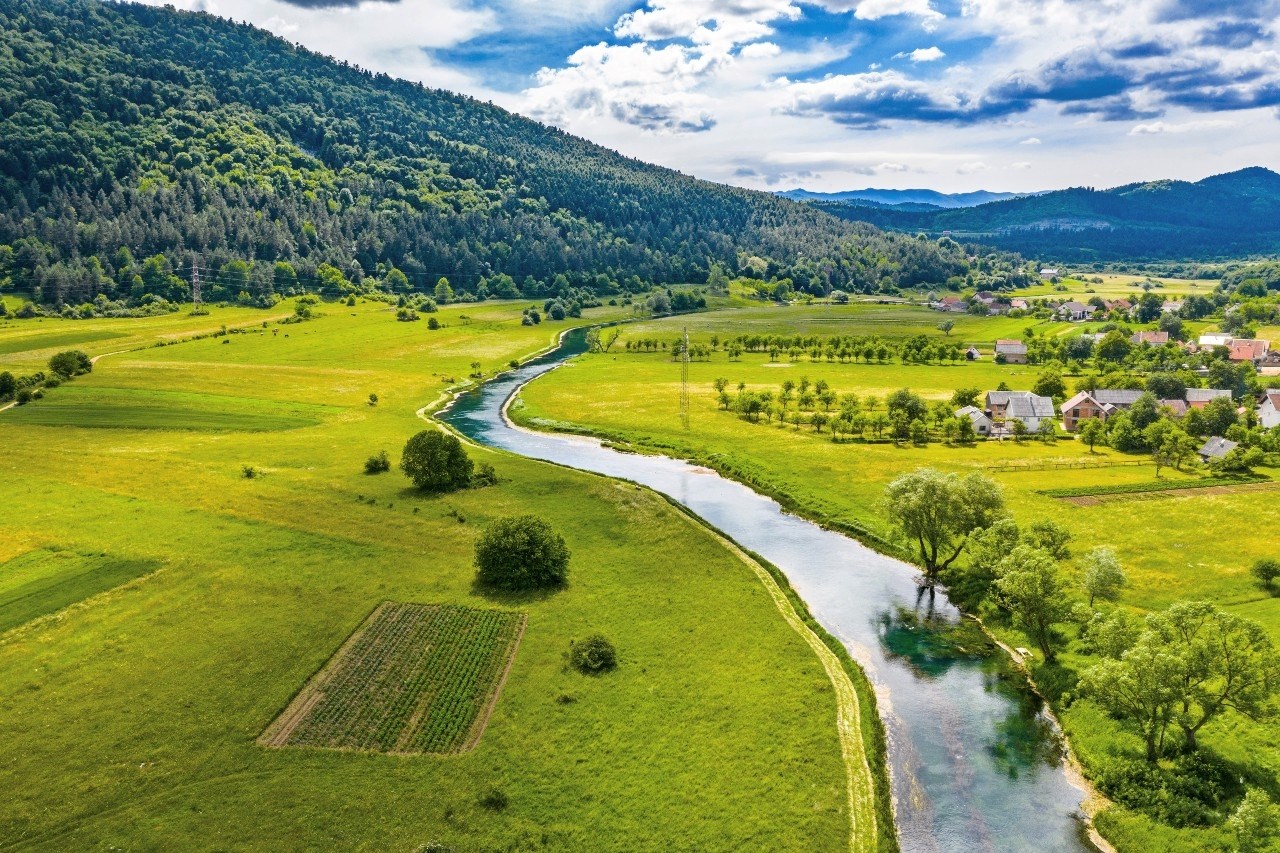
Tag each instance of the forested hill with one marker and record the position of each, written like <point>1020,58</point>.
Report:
<point>1229,215</point>
<point>136,139</point>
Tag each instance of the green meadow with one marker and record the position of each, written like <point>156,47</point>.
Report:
<point>1174,546</point>
<point>160,610</point>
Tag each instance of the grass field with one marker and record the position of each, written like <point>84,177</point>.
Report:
<point>45,581</point>
<point>132,715</point>
<point>414,678</point>
<point>1175,545</point>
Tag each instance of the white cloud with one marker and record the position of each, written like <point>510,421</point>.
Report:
<point>1030,140</point>
<point>1022,164</point>
<point>922,54</point>
<point>1159,127</point>
<point>972,168</point>
<point>874,10</point>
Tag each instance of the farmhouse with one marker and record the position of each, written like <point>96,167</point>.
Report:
<point>1153,338</point>
<point>1103,403</point>
<point>1269,410</point>
<point>952,304</point>
<point>1075,311</point>
<point>973,354</point>
<point>986,297</point>
<point>1171,306</point>
<point>1249,350</point>
<point>1009,406</point>
<point>1014,352</point>
<point>1050,273</point>
<point>1020,304</point>
<point>1082,407</point>
<point>1216,448</point>
<point>982,424</point>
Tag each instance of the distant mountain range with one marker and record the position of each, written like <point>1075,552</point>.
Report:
<point>1224,216</point>
<point>917,199</point>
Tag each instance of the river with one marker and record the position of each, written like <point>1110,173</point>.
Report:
<point>975,762</point>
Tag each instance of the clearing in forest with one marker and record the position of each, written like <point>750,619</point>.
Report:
<point>413,678</point>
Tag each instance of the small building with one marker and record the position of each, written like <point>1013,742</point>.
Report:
<point>951,304</point>
<point>1177,408</point>
<point>1216,448</point>
<point>1014,352</point>
<point>1050,273</point>
<point>1198,398</point>
<point>986,297</point>
<point>1121,305</point>
<point>973,354</point>
<point>1004,407</point>
<point>1156,339</point>
<point>1269,410</point>
<point>1083,407</point>
<point>982,424</point>
<point>1075,311</point>
<point>1171,306</point>
<point>1019,304</point>
<point>1214,340</point>
<point>999,307</point>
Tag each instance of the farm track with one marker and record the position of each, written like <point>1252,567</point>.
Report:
<point>1096,500</point>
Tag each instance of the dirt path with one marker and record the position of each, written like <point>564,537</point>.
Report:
<point>863,833</point>
<point>94,360</point>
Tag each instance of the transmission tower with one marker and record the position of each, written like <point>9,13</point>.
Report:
<point>195,283</point>
<point>684,380</point>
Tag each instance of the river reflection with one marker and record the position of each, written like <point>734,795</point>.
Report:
<point>974,763</point>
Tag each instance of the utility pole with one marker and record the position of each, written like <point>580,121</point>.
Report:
<point>684,380</point>
<point>195,283</point>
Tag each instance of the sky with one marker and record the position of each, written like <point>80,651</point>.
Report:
<point>953,95</point>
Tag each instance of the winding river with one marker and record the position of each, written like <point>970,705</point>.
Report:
<point>974,761</point>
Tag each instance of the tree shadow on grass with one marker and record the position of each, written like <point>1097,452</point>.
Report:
<point>512,597</point>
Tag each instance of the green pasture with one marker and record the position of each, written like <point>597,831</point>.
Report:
<point>1175,546</point>
<point>132,710</point>
<point>1118,286</point>
<point>45,581</point>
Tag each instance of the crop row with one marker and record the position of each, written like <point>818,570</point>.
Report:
<point>415,679</point>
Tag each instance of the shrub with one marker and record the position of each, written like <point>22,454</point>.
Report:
<point>484,476</point>
<point>377,463</point>
<point>436,462</point>
<point>519,553</point>
<point>249,472</point>
<point>494,800</point>
<point>593,655</point>
<point>70,363</point>
<point>433,323</point>
<point>1266,570</point>
<point>8,386</point>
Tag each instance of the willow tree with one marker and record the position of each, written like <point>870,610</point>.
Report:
<point>937,512</point>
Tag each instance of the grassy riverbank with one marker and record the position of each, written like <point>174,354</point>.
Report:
<point>132,710</point>
<point>1175,544</point>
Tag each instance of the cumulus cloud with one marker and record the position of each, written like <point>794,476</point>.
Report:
<point>922,54</point>
<point>874,10</point>
<point>1030,140</point>
<point>1158,127</point>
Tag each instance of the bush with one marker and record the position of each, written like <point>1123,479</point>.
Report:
<point>1191,793</point>
<point>484,476</point>
<point>433,323</point>
<point>520,553</point>
<point>436,462</point>
<point>593,655</point>
<point>249,472</point>
<point>70,363</point>
<point>1266,570</point>
<point>377,463</point>
<point>494,800</point>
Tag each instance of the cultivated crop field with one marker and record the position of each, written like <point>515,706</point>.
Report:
<point>414,678</point>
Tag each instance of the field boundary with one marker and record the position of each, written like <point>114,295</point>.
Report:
<point>280,731</point>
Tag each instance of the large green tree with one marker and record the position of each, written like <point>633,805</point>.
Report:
<point>436,461</point>
<point>937,512</point>
<point>520,553</point>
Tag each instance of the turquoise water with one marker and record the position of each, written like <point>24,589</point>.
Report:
<point>975,763</point>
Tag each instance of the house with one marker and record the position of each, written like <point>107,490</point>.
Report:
<point>1075,311</point>
<point>973,354</point>
<point>1118,398</point>
<point>1008,406</point>
<point>986,297</point>
<point>1154,338</point>
<point>1050,273</point>
<point>1019,304</point>
<point>1198,398</point>
<point>1171,306</point>
<point>1121,305</point>
<point>953,304</point>
<point>1215,340</point>
<point>1216,448</point>
<point>1082,407</point>
<point>1177,408</point>
<point>1014,352</point>
<point>982,424</point>
<point>999,307</point>
<point>1249,350</point>
<point>1269,410</point>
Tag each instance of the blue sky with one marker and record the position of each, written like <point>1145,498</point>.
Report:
<point>841,94</point>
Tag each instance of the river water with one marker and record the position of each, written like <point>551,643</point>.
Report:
<point>974,762</point>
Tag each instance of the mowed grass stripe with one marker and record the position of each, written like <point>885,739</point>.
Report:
<point>59,580</point>
<point>414,678</point>
<point>123,408</point>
